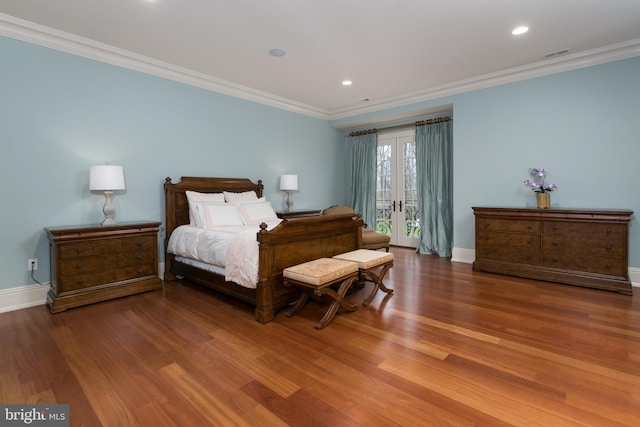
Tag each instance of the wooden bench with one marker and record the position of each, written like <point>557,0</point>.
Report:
<point>317,276</point>
<point>369,262</point>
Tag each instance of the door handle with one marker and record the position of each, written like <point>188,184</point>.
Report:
<point>394,205</point>
<point>400,208</point>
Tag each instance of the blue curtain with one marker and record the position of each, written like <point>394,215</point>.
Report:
<point>362,197</point>
<point>434,168</point>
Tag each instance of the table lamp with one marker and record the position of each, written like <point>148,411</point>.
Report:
<point>107,178</point>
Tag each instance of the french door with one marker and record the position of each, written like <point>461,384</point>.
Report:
<point>396,195</point>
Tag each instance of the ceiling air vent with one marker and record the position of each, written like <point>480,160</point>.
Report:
<point>556,53</point>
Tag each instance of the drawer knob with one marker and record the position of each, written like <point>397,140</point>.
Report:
<point>529,257</point>
<point>139,257</point>
<point>555,243</point>
<point>139,244</point>
<point>140,271</point>
<point>608,231</point>
<point>529,227</point>
<point>529,241</point>
<point>554,259</point>
<point>554,228</point>
<point>80,282</point>
<point>609,247</point>
<point>608,266</point>
<point>79,266</point>
<point>79,250</point>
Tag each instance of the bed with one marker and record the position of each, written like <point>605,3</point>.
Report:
<point>291,242</point>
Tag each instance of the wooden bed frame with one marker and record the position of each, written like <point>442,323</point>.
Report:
<point>292,242</point>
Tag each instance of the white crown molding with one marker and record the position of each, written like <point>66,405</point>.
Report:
<point>44,36</point>
<point>48,37</point>
<point>615,52</point>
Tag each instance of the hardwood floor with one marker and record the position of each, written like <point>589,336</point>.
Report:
<point>450,347</point>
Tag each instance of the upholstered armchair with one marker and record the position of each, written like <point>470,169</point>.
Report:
<point>370,239</point>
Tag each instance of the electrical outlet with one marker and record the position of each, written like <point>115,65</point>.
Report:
<point>32,264</point>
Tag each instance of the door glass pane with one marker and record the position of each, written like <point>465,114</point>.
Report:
<point>410,206</point>
<point>383,190</point>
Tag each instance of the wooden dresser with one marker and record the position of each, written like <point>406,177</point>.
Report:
<point>93,263</point>
<point>582,247</point>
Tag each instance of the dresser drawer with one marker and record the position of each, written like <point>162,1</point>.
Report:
<point>508,254</point>
<point>137,244</point>
<point>520,226</point>
<point>519,240</point>
<point>88,249</point>
<point>585,263</point>
<point>133,272</point>
<point>597,231</point>
<point>576,245</point>
<point>87,265</point>
<point>74,282</point>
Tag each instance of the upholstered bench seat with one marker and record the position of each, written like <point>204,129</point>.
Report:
<point>317,276</point>
<point>320,271</point>
<point>368,262</point>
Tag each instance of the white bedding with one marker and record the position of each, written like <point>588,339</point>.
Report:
<point>233,248</point>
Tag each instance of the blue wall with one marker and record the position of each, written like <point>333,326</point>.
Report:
<point>581,125</point>
<point>60,114</point>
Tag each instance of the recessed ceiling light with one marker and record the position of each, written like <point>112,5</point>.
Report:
<point>277,52</point>
<point>347,83</point>
<point>519,30</point>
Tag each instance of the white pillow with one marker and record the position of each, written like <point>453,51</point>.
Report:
<point>258,200</point>
<point>239,197</point>
<point>198,212</point>
<point>194,197</point>
<point>257,213</point>
<point>219,214</point>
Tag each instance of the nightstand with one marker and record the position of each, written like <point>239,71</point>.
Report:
<point>298,214</point>
<point>91,263</point>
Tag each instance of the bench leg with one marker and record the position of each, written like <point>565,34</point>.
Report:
<point>377,282</point>
<point>304,296</point>
<point>338,300</point>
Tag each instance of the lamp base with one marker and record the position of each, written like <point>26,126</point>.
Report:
<point>289,202</point>
<point>109,210</point>
<point>107,222</point>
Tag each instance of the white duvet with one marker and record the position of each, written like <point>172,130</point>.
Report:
<point>233,248</point>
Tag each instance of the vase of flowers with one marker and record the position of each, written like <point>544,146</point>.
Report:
<point>541,188</point>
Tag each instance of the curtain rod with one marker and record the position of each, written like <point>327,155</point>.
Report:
<point>408,125</point>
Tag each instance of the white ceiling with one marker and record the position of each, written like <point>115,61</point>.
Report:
<point>394,51</point>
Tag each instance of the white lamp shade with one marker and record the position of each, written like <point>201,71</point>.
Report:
<point>288,182</point>
<point>106,177</point>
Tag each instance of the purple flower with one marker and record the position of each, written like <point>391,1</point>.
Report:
<point>537,184</point>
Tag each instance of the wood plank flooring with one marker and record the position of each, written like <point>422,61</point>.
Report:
<point>450,347</point>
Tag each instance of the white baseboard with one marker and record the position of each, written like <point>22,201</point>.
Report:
<point>634,276</point>
<point>23,297</point>
<point>463,255</point>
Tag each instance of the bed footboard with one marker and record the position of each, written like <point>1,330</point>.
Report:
<point>293,242</point>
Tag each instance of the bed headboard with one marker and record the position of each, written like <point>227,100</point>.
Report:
<point>175,199</point>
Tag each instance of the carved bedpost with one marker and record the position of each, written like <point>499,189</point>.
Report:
<point>170,207</point>
<point>264,289</point>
